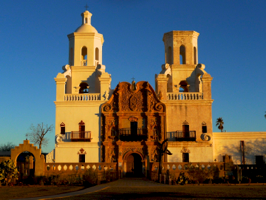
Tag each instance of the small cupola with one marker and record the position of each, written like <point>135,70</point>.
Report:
<point>86,26</point>
<point>86,17</point>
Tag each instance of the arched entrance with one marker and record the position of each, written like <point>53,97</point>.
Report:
<point>134,165</point>
<point>36,153</point>
<point>26,164</point>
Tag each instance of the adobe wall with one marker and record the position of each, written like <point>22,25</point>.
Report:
<point>39,158</point>
<point>229,143</point>
<point>4,158</point>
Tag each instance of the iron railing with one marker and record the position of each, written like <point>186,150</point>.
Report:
<point>81,136</point>
<point>127,134</point>
<point>181,136</point>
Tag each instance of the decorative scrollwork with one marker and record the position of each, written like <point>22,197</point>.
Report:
<point>107,108</point>
<point>205,137</point>
<point>59,138</point>
<point>158,107</point>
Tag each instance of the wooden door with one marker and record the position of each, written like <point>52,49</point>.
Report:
<point>130,165</point>
<point>134,128</point>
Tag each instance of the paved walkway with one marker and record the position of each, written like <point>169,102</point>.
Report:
<point>125,182</point>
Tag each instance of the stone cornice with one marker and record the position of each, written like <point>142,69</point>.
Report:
<point>83,68</point>
<point>79,103</point>
<point>189,144</point>
<point>239,135</point>
<point>78,144</point>
<point>188,102</point>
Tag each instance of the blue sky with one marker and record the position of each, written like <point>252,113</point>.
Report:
<point>34,47</point>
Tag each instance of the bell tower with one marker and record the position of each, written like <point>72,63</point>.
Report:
<point>85,72</point>
<point>181,71</point>
<point>85,44</point>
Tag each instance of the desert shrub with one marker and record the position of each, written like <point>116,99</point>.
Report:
<point>182,179</point>
<point>90,177</point>
<point>107,176</point>
<point>8,171</point>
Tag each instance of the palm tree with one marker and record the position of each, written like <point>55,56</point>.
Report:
<point>220,123</point>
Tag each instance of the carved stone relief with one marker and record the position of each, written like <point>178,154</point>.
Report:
<point>82,151</point>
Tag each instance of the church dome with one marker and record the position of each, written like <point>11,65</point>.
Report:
<point>86,28</point>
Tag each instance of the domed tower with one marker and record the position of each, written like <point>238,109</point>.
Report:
<point>85,72</point>
<point>80,91</point>
<point>85,44</point>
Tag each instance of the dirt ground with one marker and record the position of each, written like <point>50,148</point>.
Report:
<point>179,192</point>
<point>15,192</point>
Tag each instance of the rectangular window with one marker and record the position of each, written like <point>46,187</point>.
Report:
<point>204,129</point>
<point>82,158</point>
<point>63,130</point>
<point>185,157</point>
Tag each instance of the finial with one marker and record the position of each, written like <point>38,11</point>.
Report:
<point>133,84</point>
<point>133,78</point>
<point>86,7</point>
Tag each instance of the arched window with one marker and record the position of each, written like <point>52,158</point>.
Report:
<point>86,20</point>
<point>96,53</point>
<point>84,56</point>
<point>183,86</point>
<point>182,54</point>
<point>195,55</point>
<point>83,88</point>
<point>169,56</point>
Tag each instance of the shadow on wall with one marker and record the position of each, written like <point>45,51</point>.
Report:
<point>174,158</point>
<point>251,149</point>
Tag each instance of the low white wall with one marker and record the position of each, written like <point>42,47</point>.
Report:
<point>229,143</point>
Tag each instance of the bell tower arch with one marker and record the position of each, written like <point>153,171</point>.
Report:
<point>181,44</point>
<point>181,61</point>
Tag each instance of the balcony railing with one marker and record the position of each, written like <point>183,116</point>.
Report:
<point>126,134</point>
<point>185,96</point>
<point>181,136</point>
<point>82,97</point>
<point>81,136</point>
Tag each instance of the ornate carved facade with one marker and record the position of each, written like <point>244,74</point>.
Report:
<point>133,120</point>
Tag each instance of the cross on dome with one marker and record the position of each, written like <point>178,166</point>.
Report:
<point>86,6</point>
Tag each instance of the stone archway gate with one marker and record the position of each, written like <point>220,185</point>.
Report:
<point>39,158</point>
